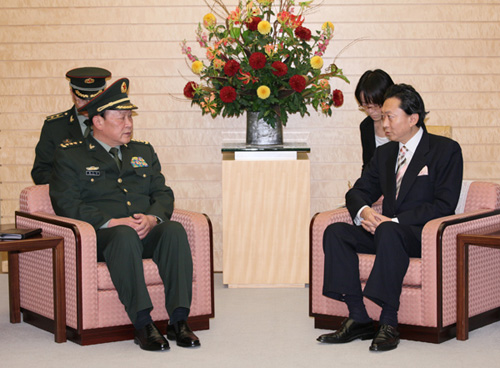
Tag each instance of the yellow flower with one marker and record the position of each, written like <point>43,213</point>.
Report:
<point>265,2</point>
<point>263,92</point>
<point>197,67</point>
<point>327,25</point>
<point>209,20</point>
<point>317,62</point>
<point>264,27</point>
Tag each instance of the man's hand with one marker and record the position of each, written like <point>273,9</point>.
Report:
<point>140,222</point>
<point>371,219</point>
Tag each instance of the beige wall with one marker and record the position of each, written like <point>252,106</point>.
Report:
<point>448,49</point>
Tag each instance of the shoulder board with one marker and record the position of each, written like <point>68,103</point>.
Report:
<point>138,141</point>
<point>71,144</point>
<point>57,116</point>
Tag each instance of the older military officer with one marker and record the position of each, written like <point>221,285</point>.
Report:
<point>67,126</point>
<point>115,183</point>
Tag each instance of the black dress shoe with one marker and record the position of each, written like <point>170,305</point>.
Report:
<point>387,338</point>
<point>150,338</point>
<point>181,333</point>
<point>349,330</point>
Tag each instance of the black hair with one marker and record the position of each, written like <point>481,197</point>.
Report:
<point>410,100</point>
<point>372,86</point>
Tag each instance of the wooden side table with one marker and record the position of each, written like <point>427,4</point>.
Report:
<point>39,242</point>
<point>266,216</point>
<point>491,240</point>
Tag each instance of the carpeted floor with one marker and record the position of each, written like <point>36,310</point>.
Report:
<point>251,328</point>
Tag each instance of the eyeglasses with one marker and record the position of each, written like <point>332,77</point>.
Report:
<point>366,108</point>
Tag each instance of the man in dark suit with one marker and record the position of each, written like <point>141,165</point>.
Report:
<point>115,183</point>
<point>420,185</point>
<point>67,126</point>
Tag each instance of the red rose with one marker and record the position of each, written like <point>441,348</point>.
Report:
<point>338,98</point>
<point>228,94</point>
<point>253,23</point>
<point>298,83</point>
<point>303,33</point>
<point>257,60</point>
<point>280,69</point>
<point>189,89</point>
<point>231,68</point>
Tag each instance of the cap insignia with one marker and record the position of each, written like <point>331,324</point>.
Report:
<point>124,87</point>
<point>89,80</point>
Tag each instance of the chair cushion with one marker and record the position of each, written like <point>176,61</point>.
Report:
<point>150,273</point>
<point>412,278</point>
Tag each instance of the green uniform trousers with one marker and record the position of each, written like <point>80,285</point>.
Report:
<point>123,252</point>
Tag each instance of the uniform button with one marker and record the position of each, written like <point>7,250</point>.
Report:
<point>128,203</point>
<point>120,180</point>
<point>92,180</point>
<point>125,190</point>
<point>144,175</point>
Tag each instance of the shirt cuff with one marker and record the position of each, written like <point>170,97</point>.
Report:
<point>357,220</point>
<point>105,225</point>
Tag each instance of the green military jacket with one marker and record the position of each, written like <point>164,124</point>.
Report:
<point>86,183</point>
<point>58,128</point>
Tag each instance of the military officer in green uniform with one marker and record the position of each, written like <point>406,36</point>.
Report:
<point>115,183</point>
<point>67,126</point>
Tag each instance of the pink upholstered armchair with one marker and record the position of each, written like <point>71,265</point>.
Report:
<point>94,312</point>
<point>428,300</point>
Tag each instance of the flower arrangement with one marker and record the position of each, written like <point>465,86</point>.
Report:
<point>262,59</point>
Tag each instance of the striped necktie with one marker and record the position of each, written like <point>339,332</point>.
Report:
<point>401,168</point>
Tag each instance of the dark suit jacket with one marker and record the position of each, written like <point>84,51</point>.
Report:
<point>367,131</point>
<point>57,128</point>
<point>421,197</point>
<point>87,185</point>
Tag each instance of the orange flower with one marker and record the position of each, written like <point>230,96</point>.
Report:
<point>247,78</point>
<point>209,105</point>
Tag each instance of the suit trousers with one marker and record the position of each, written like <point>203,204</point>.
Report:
<point>393,244</point>
<point>123,252</point>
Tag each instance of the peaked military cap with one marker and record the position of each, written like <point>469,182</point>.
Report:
<point>115,97</point>
<point>88,82</point>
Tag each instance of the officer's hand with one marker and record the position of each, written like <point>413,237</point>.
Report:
<point>128,221</point>
<point>146,223</point>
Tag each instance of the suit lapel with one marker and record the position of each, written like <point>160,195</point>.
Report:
<point>74,126</point>
<point>126,157</point>
<point>417,163</point>
<point>100,155</point>
<point>389,200</point>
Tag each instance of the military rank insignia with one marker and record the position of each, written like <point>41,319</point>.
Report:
<point>138,162</point>
<point>92,171</point>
